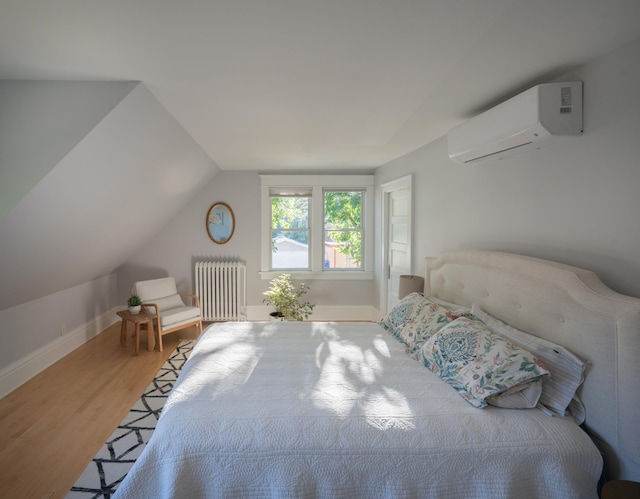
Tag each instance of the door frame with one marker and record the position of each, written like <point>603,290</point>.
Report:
<point>405,182</point>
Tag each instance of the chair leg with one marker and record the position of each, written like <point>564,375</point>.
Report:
<point>159,339</point>
<point>151,336</point>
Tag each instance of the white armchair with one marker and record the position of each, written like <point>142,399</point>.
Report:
<point>160,296</point>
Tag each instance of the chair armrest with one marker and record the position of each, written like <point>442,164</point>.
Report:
<point>154,306</point>
<point>195,298</point>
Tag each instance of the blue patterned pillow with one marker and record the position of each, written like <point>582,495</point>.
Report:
<point>428,321</point>
<point>414,319</point>
<point>402,313</point>
<point>477,362</point>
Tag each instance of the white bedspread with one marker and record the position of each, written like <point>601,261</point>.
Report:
<point>287,409</point>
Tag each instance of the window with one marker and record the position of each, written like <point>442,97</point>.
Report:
<point>342,229</point>
<point>319,226</point>
<point>290,231</point>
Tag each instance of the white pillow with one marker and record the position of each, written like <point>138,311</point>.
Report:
<point>519,397</point>
<point>454,308</point>
<point>567,370</point>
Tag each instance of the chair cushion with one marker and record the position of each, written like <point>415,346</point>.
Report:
<point>173,316</point>
<point>169,302</point>
<point>150,290</point>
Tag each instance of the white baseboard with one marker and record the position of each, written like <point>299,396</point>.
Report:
<point>21,371</point>
<point>323,313</point>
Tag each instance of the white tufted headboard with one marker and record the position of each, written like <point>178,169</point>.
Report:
<point>571,307</point>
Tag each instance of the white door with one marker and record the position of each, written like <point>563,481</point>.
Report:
<point>396,251</point>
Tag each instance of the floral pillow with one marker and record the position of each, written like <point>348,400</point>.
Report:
<point>477,362</point>
<point>414,319</point>
<point>402,313</point>
<point>424,324</point>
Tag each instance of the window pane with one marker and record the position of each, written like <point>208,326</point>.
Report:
<point>289,212</point>
<point>289,232</point>
<point>343,249</point>
<point>343,229</point>
<point>343,209</point>
<point>289,249</point>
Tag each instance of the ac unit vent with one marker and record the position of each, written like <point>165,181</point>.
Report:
<point>519,124</point>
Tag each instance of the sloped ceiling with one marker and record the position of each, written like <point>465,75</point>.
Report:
<point>325,84</point>
<point>42,121</point>
<point>112,191</point>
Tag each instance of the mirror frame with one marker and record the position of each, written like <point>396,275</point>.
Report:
<point>233,222</point>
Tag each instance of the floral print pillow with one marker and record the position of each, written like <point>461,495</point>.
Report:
<point>414,319</point>
<point>477,362</point>
<point>425,323</point>
<point>402,313</point>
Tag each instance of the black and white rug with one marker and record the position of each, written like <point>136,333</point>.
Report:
<point>116,457</point>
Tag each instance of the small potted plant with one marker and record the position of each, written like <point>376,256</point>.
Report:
<point>134,304</point>
<point>286,299</point>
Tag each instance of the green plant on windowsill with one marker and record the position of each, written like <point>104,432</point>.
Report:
<point>286,299</point>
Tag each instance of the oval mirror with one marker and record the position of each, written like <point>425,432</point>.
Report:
<point>220,223</point>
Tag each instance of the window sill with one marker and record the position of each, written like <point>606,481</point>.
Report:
<point>336,275</point>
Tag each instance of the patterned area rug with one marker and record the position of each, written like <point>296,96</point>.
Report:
<point>116,457</point>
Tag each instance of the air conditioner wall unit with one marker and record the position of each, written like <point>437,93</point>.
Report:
<point>518,124</point>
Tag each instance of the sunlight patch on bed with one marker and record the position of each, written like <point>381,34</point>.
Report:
<point>388,409</point>
<point>349,378</point>
<point>233,365</point>
<point>381,347</point>
<point>324,329</point>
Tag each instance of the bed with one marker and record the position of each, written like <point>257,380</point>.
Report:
<point>286,409</point>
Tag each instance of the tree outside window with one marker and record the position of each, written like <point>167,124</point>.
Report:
<point>342,229</point>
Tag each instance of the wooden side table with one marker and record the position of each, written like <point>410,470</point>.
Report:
<point>137,320</point>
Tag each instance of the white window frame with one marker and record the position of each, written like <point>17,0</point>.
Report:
<point>317,183</point>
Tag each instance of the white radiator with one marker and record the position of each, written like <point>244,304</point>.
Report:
<point>222,289</point>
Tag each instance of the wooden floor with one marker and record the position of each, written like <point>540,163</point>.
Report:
<point>53,425</point>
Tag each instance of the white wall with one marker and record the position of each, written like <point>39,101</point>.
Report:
<point>184,240</point>
<point>576,203</point>
<point>38,333</point>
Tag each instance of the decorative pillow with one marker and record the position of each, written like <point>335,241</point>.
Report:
<point>414,319</point>
<point>424,323</point>
<point>477,362</point>
<point>399,315</point>
<point>567,370</point>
